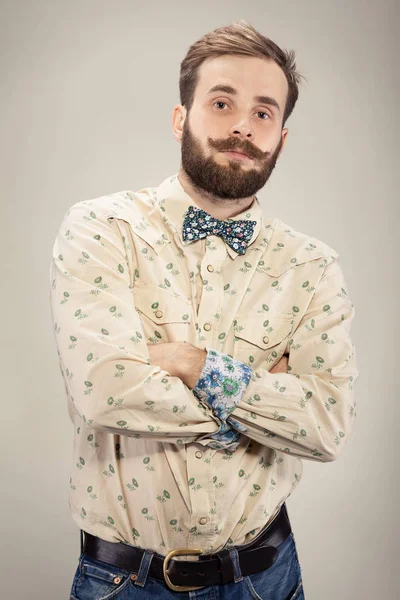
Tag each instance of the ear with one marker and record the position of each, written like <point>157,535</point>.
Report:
<point>285,131</point>
<point>178,120</point>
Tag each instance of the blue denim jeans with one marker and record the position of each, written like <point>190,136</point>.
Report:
<point>98,580</point>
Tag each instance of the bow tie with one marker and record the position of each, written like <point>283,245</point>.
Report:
<point>198,224</point>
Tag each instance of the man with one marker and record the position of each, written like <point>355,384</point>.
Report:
<point>205,350</point>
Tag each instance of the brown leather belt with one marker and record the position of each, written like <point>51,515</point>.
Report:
<point>210,569</point>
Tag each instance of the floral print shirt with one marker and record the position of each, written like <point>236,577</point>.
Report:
<point>156,464</point>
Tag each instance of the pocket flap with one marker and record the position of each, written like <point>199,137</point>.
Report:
<point>264,332</point>
<point>160,304</point>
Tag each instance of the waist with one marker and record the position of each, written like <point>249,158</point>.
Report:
<point>208,569</point>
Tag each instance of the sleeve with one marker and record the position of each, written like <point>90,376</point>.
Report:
<point>309,411</point>
<point>220,386</point>
<point>102,351</point>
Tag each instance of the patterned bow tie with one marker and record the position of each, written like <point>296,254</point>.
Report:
<point>198,224</point>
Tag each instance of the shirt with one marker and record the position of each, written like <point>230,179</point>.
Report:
<point>144,469</point>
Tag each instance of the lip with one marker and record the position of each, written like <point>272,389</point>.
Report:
<point>237,155</point>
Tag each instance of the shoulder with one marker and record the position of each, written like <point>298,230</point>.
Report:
<point>94,217</point>
<point>125,205</point>
<point>289,247</point>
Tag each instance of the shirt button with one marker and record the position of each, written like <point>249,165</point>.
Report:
<point>265,339</point>
<point>159,314</point>
<point>210,268</point>
<point>198,454</point>
<point>203,520</point>
<point>207,326</point>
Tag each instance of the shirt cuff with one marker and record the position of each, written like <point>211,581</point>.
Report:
<point>225,438</point>
<point>222,383</point>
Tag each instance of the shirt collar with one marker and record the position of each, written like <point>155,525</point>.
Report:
<point>174,201</point>
<point>279,245</point>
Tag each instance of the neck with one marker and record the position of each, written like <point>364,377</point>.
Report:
<point>217,207</point>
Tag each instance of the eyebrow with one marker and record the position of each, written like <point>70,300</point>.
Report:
<point>230,90</point>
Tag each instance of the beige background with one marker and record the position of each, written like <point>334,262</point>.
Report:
<point>87,92</point>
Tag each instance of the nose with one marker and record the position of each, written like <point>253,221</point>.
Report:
<point>242,130</point>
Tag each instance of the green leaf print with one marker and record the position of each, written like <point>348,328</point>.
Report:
<point>132,486</point>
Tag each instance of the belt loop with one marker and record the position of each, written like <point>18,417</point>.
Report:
<point>81,533</point>
<point>234,556</point>
<point>144,567</point>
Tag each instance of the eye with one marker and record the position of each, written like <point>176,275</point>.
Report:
<point>259,112</point>
<point>220,102</point>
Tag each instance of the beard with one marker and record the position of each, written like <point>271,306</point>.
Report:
<point>226,181</point>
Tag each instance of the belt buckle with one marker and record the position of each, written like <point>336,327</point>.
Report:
<point>179,588</point>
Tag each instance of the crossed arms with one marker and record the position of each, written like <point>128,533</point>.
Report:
<point>118,384</point>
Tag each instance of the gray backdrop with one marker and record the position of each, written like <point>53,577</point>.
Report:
<point>87,92</point>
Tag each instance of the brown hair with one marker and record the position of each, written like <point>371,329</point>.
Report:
<point>239,38</point>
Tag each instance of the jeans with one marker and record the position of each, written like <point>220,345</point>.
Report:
<point>98,580</point>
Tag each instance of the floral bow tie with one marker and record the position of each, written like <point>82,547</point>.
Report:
<point>198,224</point>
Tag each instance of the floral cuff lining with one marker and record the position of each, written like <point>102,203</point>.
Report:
<point>221,385</point>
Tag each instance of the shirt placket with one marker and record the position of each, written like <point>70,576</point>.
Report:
<point>204,514</point>
<point>204,517</point>
<point>212,297</point>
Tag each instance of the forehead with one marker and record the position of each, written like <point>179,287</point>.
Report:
<point>250,76</point>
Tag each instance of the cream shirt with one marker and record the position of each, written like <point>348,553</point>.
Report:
<point>143,471</point>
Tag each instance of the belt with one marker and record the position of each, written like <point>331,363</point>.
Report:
<point>210,569</point>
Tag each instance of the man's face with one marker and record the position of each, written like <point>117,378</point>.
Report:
<point>222,120</point>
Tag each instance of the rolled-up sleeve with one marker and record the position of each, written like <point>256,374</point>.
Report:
<point>221,385</point>
<point>308,411</point>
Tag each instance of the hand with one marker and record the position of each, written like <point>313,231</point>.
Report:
<point>168,356</point>
<point>281,365</point>
<point>179,359</point>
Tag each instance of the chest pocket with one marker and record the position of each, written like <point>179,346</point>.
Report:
<point>164,316</point>
<point>261,338</point>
